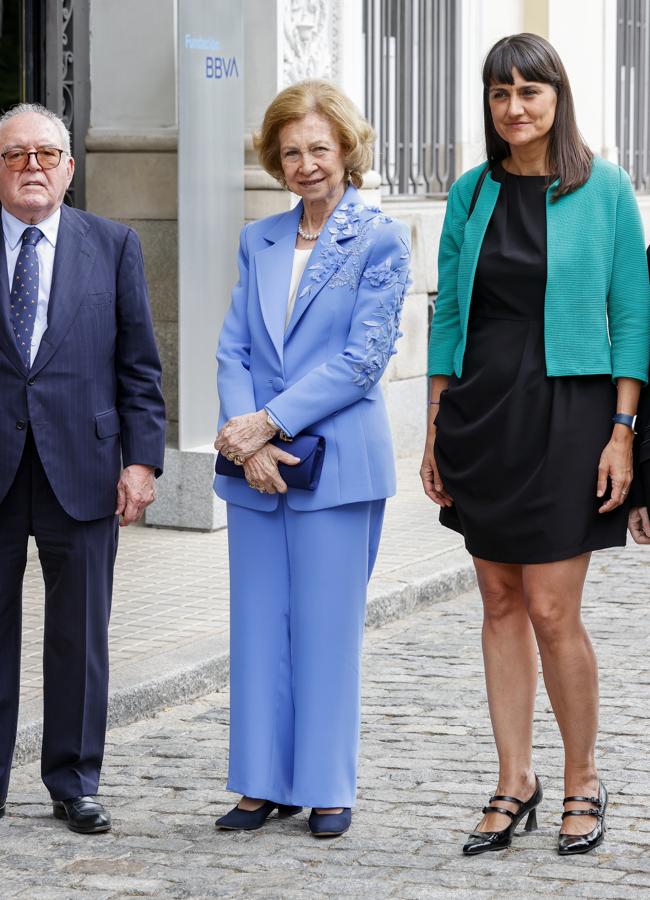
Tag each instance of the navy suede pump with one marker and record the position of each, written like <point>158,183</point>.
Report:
<point>244,820</point>
<point>330,824</point>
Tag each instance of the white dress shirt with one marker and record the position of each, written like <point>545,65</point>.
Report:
<point>300,260</point>
<point>13,230</point>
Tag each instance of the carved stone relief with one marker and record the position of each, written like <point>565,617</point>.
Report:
<point>310,30</point>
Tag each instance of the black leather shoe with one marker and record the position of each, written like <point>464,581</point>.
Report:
<point>85,815</point>
<point>482,841</point>
<point>3,808</point>
<point>570,844</point>
<point>244,820</point>
<point>330,824</point>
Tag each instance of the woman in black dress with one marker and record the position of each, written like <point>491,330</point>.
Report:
<point>534,386</point>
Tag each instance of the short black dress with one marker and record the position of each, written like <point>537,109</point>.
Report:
<point>518,451</point>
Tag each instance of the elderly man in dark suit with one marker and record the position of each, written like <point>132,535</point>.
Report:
<point>81,441</point>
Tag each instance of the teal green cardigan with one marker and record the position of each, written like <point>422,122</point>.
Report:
<point>597,307</point>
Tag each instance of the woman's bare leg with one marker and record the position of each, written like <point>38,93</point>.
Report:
<point>553,593</point>
<point>510,658</point>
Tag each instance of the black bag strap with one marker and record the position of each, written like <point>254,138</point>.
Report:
<point>477,189</point>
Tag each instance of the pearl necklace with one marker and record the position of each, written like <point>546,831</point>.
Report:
<point>306,235</point>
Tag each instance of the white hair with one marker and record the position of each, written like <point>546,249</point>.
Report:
<point>21,109</point>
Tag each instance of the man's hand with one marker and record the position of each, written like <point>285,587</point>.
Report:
<point>638,524</point>
<point>136,489</point>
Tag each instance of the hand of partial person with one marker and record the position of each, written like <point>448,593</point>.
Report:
<point>638,524</point>
<point>261,469</point>
<point>615,466</point>
<point>431,480</point>
<point>243,436</point>
<point>136,490</point>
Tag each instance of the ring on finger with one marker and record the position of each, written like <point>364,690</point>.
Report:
<point>238,460</point>
<point>230,455</point>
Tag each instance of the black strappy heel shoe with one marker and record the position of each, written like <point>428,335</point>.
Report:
<point>482,841</point>
<point>570,844</point>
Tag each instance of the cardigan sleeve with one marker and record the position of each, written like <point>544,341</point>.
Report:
<point>445,327</point>
<point>628,302</point>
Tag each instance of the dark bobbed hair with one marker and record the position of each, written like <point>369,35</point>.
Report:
<point>568,156</point>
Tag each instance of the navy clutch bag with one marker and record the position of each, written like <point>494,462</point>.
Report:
<point>305,475</point>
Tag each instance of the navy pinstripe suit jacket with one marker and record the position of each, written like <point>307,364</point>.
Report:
<point>93,395</point>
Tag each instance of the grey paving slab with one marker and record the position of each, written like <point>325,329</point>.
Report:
<point>427,766</point>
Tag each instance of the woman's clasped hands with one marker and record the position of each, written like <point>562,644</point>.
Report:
<point>245,441</point>
<point>262,471</point>
<point>242,436</point>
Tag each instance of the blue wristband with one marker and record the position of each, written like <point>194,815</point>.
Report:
<point>623,419</point>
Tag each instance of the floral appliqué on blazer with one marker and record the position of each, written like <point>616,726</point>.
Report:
<point>322,373</point>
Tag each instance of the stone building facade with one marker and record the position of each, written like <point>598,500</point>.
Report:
<point>131,161</point>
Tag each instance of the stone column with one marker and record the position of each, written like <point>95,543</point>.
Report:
<point>131,151</point>
<point>132,175</point>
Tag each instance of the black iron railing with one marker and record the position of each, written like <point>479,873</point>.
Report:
<point>633,106</point>
<point>411,56</point>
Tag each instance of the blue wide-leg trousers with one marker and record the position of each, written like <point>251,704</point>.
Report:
<point>297,611</point>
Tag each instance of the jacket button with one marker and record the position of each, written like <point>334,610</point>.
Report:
<point>31,381</point>
<point>20,424</point>
<point>277,384</point>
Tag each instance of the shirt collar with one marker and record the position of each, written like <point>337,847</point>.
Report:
<point>13,228</point>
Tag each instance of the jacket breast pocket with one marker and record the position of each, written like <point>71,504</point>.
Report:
<point>107,424</point>
<point>100,298</point>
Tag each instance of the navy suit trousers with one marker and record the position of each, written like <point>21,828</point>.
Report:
<point>77,560</point>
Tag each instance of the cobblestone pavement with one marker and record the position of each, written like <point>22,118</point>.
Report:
<point>427,767</point>
<point>171,588</point>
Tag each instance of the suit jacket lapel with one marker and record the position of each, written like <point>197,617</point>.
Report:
<point>328,253</point>
<point>73,259</point>
<point>7,336</point>
<point>273,267</point>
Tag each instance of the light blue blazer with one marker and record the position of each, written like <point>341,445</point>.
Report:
<point>322,375</point>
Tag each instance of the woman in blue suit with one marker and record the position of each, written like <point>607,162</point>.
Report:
<point>313,322</point>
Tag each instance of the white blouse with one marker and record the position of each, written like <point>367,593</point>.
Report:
<point>300,259</point>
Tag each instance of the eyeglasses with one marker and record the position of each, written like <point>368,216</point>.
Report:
<point>46,157</point>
